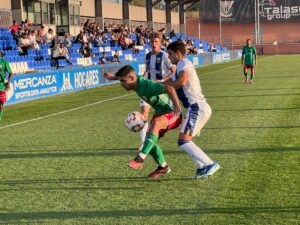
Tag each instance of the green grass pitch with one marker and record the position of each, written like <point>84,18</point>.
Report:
<point>71,168</point>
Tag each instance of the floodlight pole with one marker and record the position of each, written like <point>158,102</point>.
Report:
<point>255,21</point>
<point>258,23</point>
<point>220,21</point>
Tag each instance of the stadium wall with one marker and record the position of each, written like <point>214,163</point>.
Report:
<point>28,87</point>
<point>273,49</point>
<point>233,34</point>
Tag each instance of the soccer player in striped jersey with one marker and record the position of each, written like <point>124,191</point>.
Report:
<point>158,68</point>
<point>4,68</point>
<point>188,88</point>
<point>163,99</point>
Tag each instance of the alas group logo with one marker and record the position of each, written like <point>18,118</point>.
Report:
<point>272,9</point>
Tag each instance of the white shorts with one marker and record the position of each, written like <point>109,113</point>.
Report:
<point>195,118</point>
<point>143,103</point>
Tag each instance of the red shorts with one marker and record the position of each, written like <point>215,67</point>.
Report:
<point>2,97</point>
<point>174,122</point>
<point>248,66</point>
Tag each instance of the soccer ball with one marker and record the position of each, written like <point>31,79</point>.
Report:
<point>135,121</point>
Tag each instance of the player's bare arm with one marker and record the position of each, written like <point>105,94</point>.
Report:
<point>172,93</point>
<point>7,84</point>
<point>110,76</point>
<point>181,81</point>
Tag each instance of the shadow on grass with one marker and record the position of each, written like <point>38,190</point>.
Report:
<point>255,109</point>
<point>130,152</point>
<point>250,95</point>
<point>141,213</point>
<point>84,181</point>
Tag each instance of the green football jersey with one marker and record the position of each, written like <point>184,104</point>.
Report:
<point>151,92</point>
<point>4,67</point>
<point>248,53</point>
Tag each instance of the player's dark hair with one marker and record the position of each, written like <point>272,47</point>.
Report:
<point>124,71</point>
<point>177,46</point>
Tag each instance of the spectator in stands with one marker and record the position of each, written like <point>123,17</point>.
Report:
<point>26,24</point>
<point>212,48</point>
<point>200,45</point>
<point>24,44</point>
<point>129,42</point>
<point>103,59</point>
<point>190,49</point>
<point>61,32</point>
<point>97,40</point>
<point>40,39</point>
<point>135,49</point>
<point>42,31</point>
<point>85,50</point>
<point>50,37</point>
<point>122,42</point>
<point>60,52</point>
<point>32,38</point>
<point>18,35</point>
<point>167,41</point>
<point>141,39</point>
<point>68,41</point>
<point>116,57</point>
<point>172,34</point>
<point>14,28</point>
<point>81,37</point>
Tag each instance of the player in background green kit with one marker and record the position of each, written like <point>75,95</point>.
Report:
<point>249,60</point>
<point>4,68</point>
<point>163,99</point>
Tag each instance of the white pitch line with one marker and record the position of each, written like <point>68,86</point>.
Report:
<point>232,66</point>
<point>96,103</point>
<point>62,112</point>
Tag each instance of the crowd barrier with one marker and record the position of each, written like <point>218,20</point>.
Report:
<point>27,87</point>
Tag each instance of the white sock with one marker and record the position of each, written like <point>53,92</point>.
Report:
<point>163,164</point>
<point>199,164</point>
<point>144,132</point>
<point>195,152</point>
<point>142,155</point>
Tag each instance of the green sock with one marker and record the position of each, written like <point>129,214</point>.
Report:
<point>157,155</point>
<point>251,77</point>
<point>149,142</point>
<point>1,114</point>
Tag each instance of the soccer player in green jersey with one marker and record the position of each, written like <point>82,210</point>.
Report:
<point>4,68</point>
<point>163,99</point>
<point>249,60</point>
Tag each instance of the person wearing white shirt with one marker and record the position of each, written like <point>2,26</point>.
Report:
<point>189,91</point>
<point>49,37</point>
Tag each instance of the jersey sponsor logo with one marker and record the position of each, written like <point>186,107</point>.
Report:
<point>144,98</point>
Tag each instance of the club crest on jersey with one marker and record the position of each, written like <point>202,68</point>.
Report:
<point>144,98</point>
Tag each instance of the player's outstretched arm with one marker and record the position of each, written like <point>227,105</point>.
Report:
<point>110,76</point>
<point>172,93</point>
